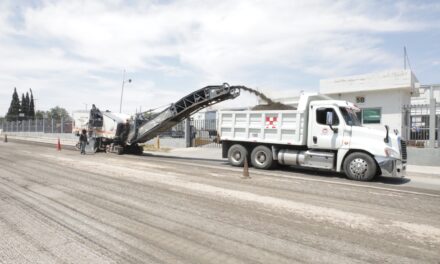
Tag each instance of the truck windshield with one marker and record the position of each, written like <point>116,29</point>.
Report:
<point>350,116</point>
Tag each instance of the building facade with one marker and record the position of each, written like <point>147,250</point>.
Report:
<point>394,98</point>
<point>380,96</point>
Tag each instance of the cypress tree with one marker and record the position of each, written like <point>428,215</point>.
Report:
<point>23,107</point>
<point>14,108</point>
<point>31,106</point>
<point>28,104</point>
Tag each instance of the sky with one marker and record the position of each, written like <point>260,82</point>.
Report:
<point>73,53</point>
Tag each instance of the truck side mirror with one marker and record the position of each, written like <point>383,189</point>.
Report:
<point>387,137</point>
<point>329,118</point>
<point>329,122</point>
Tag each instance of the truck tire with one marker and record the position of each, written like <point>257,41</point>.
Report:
<point>261,158</point>
<point>237,154</point>
<point>95,146</point>
<point>119,150</point>
<point>360,166</point>
<point>139,150</point>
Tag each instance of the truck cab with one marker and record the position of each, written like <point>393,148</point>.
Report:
<point>361,152</point>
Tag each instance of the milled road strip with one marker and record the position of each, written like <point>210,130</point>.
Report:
<point>280,175</point>
<point>316,213</point>
<point>284,175</point>
<point>305,252</point>
<point>120,214</point>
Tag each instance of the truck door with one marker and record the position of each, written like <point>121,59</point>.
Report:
<point>322,135</point>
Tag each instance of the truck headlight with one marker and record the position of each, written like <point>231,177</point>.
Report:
<point>389,152</point>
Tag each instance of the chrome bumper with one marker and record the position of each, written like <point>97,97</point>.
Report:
<point>391,167</point>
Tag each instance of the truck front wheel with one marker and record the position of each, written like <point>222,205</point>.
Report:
<point>261,158</point>
<point>360,167</point>
<point>236,155</point>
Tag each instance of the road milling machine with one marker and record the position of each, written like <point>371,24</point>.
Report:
<point>121,133</point>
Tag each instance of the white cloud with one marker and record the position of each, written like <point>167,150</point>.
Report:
<point>58,45</point>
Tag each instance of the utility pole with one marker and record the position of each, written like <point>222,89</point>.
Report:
<point>122,90</point>
<point>404,57</point>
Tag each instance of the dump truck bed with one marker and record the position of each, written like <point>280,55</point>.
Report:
<point>271,126</point>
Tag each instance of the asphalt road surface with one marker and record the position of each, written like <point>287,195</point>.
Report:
<point>62,207</point>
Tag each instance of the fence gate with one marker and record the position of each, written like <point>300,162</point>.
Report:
<point>417,124</point>
<point>204,133</point>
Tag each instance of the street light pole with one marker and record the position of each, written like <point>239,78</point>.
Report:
<point>122,90</point>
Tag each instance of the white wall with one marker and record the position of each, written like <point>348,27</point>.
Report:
<point>386,80</point>
<point>390,102</point>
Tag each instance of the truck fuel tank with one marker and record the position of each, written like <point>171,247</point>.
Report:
<point>306,158</point>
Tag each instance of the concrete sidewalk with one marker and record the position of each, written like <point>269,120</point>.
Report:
<point>49,138</point>
<point>196,153</point>
<point>432,170</point>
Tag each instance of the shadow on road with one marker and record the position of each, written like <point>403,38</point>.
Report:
<point>183,158</point>
<point>324,173</point>
<point>391,181</point>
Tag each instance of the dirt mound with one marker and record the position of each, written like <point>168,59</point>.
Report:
<point>271,105</point>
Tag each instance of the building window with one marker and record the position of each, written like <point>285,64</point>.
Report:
<point>370,115</point>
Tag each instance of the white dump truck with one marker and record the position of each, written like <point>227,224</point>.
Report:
<point>321,133</point>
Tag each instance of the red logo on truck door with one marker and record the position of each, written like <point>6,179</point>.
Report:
<point>271,122</point>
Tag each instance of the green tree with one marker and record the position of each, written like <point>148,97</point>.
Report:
<point>28,103</point>
<point>39,114</point>
<point>14,108</point>
<point>31,106</point>
<point>58,113</point>
<point>23,108</point>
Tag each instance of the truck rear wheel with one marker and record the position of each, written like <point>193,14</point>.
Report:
<point>360,166</point>
<point>119,150</point>
<point>261,158</point>
<point>236,155</point>
<point>95,146</point>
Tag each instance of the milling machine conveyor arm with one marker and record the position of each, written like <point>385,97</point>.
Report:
<point>180,110</point>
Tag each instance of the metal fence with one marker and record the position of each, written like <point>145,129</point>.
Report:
<point>38,125</point>
<point>418,125</point>
<point>203,132</point>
